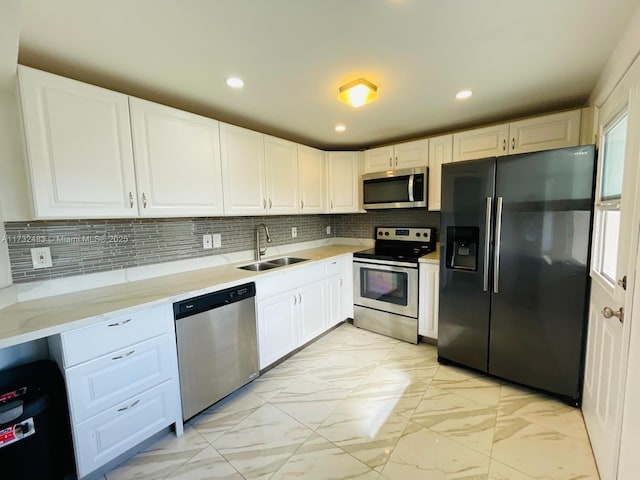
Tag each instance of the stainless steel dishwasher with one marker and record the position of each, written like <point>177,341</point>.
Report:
<point>217,345</point>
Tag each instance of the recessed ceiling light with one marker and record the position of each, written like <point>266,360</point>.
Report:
<point>340,128</point>
<point>462,94</point>
<point>235,82</point>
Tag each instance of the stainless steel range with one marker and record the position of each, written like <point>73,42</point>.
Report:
<point>385,281</point>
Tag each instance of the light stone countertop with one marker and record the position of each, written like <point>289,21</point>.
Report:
<point>433,257</point>
<point>34,319</point>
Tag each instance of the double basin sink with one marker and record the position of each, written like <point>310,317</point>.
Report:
<point>274,263</point>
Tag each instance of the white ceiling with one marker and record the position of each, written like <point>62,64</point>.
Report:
<point>520,57</point>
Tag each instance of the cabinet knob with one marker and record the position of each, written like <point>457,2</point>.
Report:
<point>390,162</point>
<point>513,143</point>
<point>331,204</point>
<point>117,324</point>
<point>129,406</point>
<point>130,199</point>
<point>396,161</point>
<point>264,203</point>
<point>301,204</point>
<point>270,204</point>
<point>124,355</point>
<point>144,200</point>
<point>504,144</point>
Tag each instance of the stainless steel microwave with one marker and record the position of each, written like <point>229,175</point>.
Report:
<point>405,188</point>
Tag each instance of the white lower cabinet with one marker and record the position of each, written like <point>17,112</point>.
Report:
<point>277,329</point>
<point>428,300</point>
<point>122,383</point>
<point>297,305</point>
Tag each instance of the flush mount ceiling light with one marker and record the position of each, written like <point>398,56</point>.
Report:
<point>235,82</point>
<point>340,128</point>
<point>358,92</point>
<point>462,94</point>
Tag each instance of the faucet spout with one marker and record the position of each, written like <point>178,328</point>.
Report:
<point>261,251</point>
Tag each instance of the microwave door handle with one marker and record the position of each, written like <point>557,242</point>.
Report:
<point>410,187</point>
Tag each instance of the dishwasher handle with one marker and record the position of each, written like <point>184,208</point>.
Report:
<point>209,301</point>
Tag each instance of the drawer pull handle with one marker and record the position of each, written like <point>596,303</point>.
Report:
<point>129,406</point>
<point>117,324</point>
<point>124,355</point>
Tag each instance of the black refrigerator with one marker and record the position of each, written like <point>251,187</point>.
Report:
<point>514,267</point>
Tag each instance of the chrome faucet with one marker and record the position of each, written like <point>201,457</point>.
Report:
<point>261,251</point>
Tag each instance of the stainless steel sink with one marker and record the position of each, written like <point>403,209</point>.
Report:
<point>287,260</point>
<point>274,263</point>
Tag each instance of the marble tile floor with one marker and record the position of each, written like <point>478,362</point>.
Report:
<point>357,405</point>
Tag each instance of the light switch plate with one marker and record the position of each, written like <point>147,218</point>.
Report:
<point>41,257</point>
<point>294,232</point>
<point>328,229</point>
<point>207,242</point>
<point>217,240</point>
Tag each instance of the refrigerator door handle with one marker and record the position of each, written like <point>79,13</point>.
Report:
<point>496,248</point>
<point>411,199</point>
<point>487,240</point>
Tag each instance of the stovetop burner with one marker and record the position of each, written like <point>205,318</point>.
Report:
<point>400,244</point>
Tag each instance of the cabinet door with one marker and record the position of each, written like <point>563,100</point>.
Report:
<point>177,158</point>
<point>412,154</point>
<point>333,300</point>
<point>558,130</point>
<point>312,184</point>
<point>277,332</point>
<point>428,311</point>
<point>281,160</point>
<point>78,140</point>
<point>311,312</point>
<point>378,159</point>
<point>343,182</point>
<point>440,152</point>
<point>481,143</point>
<point>243,172</point>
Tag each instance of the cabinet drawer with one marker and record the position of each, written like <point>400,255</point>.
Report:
<point>93,341</point>
<point>108,380</point>
<point>105,436</point>
<point>334,266</point>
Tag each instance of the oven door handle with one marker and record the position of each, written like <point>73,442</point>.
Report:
<point>411,197</point>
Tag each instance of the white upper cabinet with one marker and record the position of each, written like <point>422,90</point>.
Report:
<point>243,171</point>
<point>312,180</point>
<point>177,158</point>
<point>558,130</point>
<point>378,159</point>
<point>440,152</point>
<point>78,140</point>
<point>344,180</point>
<point>281,159</point>
<point>403,155</point>
<point>481,143</point>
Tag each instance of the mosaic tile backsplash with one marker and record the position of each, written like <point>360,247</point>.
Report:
<point>80,247</point>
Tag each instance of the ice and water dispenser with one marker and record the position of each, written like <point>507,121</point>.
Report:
<point>462,248</point>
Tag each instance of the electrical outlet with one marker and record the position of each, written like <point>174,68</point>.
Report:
<point>328,229</point>
<point>217,240</point>
<point>207,242</point>
<point>294,232</point>
<point>41,257</point>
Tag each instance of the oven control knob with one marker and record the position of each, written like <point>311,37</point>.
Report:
<point>386,234</point>
<point>379,234</point>
<point>418,234</point>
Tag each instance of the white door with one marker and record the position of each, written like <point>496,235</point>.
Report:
<point>243,172</point>
<point>481,143</point>
<point>343,182</point>
<point>281,161</point>
<point>78,140</point>
<point>558,130</point>
<point>177,157</point>
<point>311,315</point>
<point>312,181</point>
<point>378,159</point>
<point>412,154</point>
<point>440,152</point>
<point>609,306</point>
<point>277,329</point>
